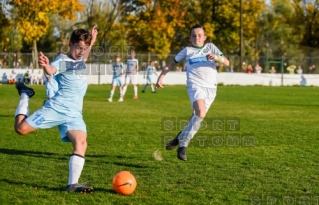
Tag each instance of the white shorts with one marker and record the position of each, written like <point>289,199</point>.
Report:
<point>197,92</point>
<point>131,79</point>
<point>47,117</point>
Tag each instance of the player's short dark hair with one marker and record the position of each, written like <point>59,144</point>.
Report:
<point>81,35</point>
<point>196,26</point>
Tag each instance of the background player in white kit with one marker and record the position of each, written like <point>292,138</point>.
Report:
<point>149,72</point>
<point>64,109</point>
<point>118,72</point>
<point>201,83</point>
<point>131,74</point>
<point>39,79</point>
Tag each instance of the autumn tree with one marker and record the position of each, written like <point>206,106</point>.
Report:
<point>31,18</point>
<point>151,25</point>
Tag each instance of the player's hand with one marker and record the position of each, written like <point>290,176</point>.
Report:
<point>210,56</point>
<point>43,60</point>
<point>94,33</point>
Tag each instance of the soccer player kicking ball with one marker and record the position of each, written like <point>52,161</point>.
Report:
<point>64,109</point>
<point>201,83</point>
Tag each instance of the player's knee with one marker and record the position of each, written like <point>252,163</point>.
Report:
<point>200,113</point>
<point>81,143</point>
<point>21,130</point>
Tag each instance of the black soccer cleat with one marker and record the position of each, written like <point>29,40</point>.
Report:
<point>79,188</point>
<point>22,88</point>
<point>181,153</point>
<point>173,143</point>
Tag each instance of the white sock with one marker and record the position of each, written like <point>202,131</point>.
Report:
<point>135,90</point>
<point>124,90</point>
<point>76,164</point>
<point>152,87</point>
<point>112,93</point>
<point>23,107</point>
<point>190,130</point>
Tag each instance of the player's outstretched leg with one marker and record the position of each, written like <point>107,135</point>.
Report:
<point>22,111</point>
<point>76,163</point>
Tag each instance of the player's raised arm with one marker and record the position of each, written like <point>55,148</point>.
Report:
<point>168,67</point>
<point>94,33</point>
<point>45,63</point>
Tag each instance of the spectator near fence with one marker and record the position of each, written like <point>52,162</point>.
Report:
<point>310,70</point>
<point>26,77</point>
<point>272,70</point>
<point>299,70</point>
<point>258,68</point>
<point>249,69</point>
<point>291,69</point>
<point>39,78</point>
<point>12,77</point>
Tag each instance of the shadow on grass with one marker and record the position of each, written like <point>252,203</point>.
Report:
<point>6,116</point>
<point>65,157</point>
<point>27,153</point>
<point>59,189</point>
<point>19,183</point>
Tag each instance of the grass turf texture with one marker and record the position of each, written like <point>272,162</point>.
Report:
<point>281,160</point>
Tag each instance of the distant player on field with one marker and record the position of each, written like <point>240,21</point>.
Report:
<point>131,74</point>
<point>201,82</point>
<point>149,72</point>
<point>64,109</point>
<point>118,72</point>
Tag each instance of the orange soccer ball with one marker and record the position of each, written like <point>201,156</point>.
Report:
<point>124,183</point>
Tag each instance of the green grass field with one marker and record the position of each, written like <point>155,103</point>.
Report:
<point>280,162</point>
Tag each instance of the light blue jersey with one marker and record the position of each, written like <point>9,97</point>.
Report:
<point>150,70</point>
<point>51,87</point>
<point>72,86</point>
<point>118,69</point>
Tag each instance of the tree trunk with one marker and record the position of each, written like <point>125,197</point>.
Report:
<point>35,55</point>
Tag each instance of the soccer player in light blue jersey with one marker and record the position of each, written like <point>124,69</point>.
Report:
<point>201,83</point>
<point>149,72</point>
<point>131,74</point>
<point>64,109</point>
<point>118,70</point>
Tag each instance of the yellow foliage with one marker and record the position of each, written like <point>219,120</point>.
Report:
<point>32,16</point>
